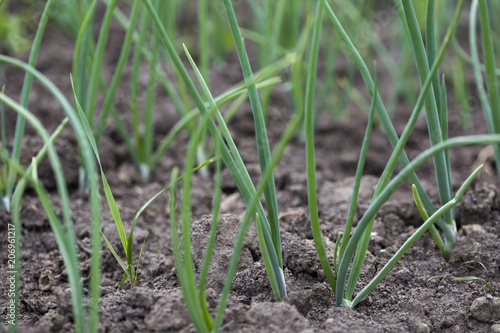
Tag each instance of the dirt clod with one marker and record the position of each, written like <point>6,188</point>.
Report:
<point>486,310</point>
<point>418,295</point>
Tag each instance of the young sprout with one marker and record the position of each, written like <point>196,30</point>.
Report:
<point>130,271</point>
<point>468,278</point>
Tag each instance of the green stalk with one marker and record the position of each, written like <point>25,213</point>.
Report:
<point>235,166</point>
<point>203,39</point>
<point>269,50</point>
<point>297,70</point>
<point>117,76</point>
<point>25,93</point>
<point>212,237</point>
<point>433,124</point>
<point>278,151</point>
<point>310,155</point>
<point>430,40</point>
<point>491,78</point>
<point>82,62</point>
<point>358,176</point>
<point>148,134</point>
<point>483,96</point>
<point>83,53</point>
<point>2,123</point>
<point>5,174</point>
<point>443,119</point>
<point>134,87</point>
<point>260,130</point>
<point>381,110</point>
<point>188,292</point>
<point>462,54</point>
<point>201,309</point>
<point>95,72</point>
<point>16,215</point>
<point>432,229</point>
<point>65,235</point>
<point>195,299</point>
<point>244,183</point>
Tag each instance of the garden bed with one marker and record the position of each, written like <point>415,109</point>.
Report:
<point>418,295</point>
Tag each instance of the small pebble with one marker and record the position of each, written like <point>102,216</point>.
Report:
<point>419,327</point>
<point>495,328</point>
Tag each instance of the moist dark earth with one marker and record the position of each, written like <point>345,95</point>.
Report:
<point>418,295</point>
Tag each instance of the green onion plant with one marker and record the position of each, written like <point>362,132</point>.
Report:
<point>7,178</point>
<point>63,231</point>
<point>66,238</point>
<point>290,46</point>
<point>144,37</point>
<point>230,155</point>
<point>193,289</point>
<point>130,271</point>
<point>355,245</point>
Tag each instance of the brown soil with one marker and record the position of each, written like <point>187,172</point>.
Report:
<point>418,295</point>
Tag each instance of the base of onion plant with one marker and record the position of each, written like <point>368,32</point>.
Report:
<point>398,143</point>
<point>428,222</point>
<point>358,242</point>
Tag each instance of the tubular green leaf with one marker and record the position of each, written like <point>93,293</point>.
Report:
<point>432,115</point>
<point>310,155</point>
<point>390,188</point>
<point>260,129</point>
<point>381,110</point>
<point>416,235</point>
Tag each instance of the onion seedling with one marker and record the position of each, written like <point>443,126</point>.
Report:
<point>357,243</point>
<point>11,168</point>
<point>63,232</point>
<point>230,154</point>
<point>7,178</point>
<point>397,143</point>
<point>130,271</point>
<point>194,294</point>
<point>89,164</point>
<point>469,278</point>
